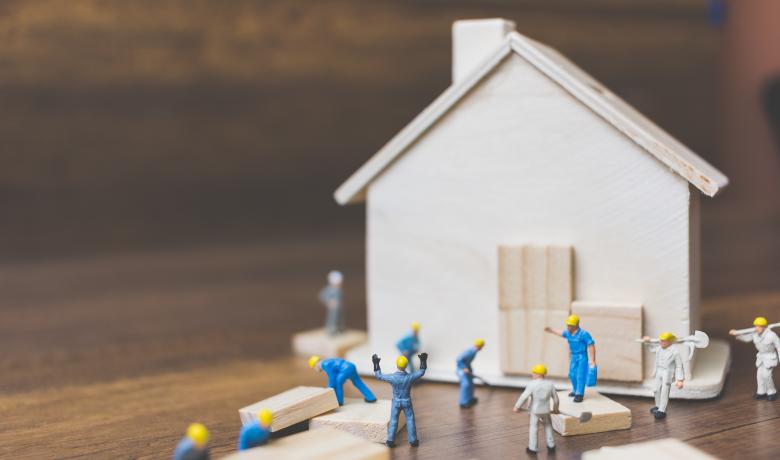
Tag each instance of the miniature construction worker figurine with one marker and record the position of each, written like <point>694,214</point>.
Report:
<point>402,382</point>
<point>768,347</point>
<point>539,393</point>
<point>409,344</point>
<point>668,369</point>
<point>339,371</point>
<point>193,445</point>
<point>256,433</point>
<point>331,297</point>
<point>466,374</point>
<point>582,350</point>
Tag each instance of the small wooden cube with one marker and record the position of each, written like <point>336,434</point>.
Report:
<point>293,406</point>
<point>322,444</point>
<point>318,342</point>
<point>367,420</point>
<point>651,450</point>
<point>608,415</point>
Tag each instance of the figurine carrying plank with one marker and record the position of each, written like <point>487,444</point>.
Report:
<point>539,393</point>
<point>668,369</point>
<point>339,371</point>
<point>409,344</point>
<point>193,445</point>
<point>401,382</point>
<point>582,356</point>
<point>768,347</point>
<point>331,296</point>
<point>466,374</point>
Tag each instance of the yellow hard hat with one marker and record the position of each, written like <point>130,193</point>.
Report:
<point>539,369</point>
<point>265,417</point>
<point>760,321</point>
<point>573,320</point>
<point>479,343</point>
<point>415,326</point>
<point>198,433</point>
<point>667,336</point>
<point>313,361</point>
<point>401,362</point>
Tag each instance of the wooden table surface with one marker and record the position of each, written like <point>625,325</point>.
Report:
<point>112,357</point>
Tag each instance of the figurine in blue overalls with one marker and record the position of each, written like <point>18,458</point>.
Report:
<point>402,396</point>
<point>257,432</point>
<point>193,445</point>
<point>582,350</point>
<point>339,371</point>
<point>466,374</point>
<point>409,344</point>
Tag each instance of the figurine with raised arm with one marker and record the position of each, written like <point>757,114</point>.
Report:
<point>401,382</point>
<point>767,350</point>
<point>339,371</point>
<point>331,296</point>
<point>193,445</point>
<point>257,432</point>
<point>668,370</point>
<point>539,394</point>
<point>409,344</point>
<point>466,374</point>
<point>582,356</point>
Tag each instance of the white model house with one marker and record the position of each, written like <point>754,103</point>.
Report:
<point>525,192</point>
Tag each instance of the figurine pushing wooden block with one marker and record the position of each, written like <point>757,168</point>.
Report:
<point>293,406</point>
<point>369,421</point>
<point>321,444</point>
<point>605,415</point>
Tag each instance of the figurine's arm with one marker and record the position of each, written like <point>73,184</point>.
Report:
<point>423,366</point>
<point>776,344</point>
<point>522,399</point>
<point>556,402</point>
<point>592,354</point>
<point>679,373</point>
<point>377,370</point>
<point>553,331</point>
<point>743,335</point>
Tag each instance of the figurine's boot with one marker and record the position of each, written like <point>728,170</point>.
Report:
<point>654,409</point>
<point>578,398</point>
<point>758,396</point>
<point>390,444</point>
<point>659,415</point>
<point>529,451</point>
<point>415,443</point>
<point>772,397</point>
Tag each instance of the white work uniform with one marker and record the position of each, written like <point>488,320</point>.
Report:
<point>768,346</point>
<point>668,369</point>
<point>540,392</point>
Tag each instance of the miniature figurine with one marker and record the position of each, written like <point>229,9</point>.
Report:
<point>193,445</point>
<point>331,296</point>
<point>339,371</point>
<point>539,393</point>
<point>466,374</point>
<point>257,432</point>
<point>668,369</point>
<point>409,344</point>
<point>582,351</point>
<point>401,382</point>
<point>768,347</point>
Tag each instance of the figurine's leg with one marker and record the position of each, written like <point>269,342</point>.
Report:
<point>582,375</point>
<point>573,373</point>
<point>392,427</point>
<point>466,389</point>
<point>331,322</point>
<point>410,357</point>
<point>665,388</point>
<point>658,382</point>
<point>411,428</point>
<point>533,429</point>
<point>339,388</point>
<point>368,395</point>
<point>548,430</point>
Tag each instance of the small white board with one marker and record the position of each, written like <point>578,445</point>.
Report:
<point>293,406</point>
<point>318,342</point>
<point>367,420</point>
<point>322,444</point>
<point>651,450</point>
<point>608,415</point>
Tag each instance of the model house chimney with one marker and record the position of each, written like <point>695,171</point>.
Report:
<point>473,40</point>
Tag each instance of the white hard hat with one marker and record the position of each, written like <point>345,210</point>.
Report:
<point>335,277</point>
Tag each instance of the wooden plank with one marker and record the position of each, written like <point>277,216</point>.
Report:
<point>322,444</point>
<point>535,277</point>
<point>650,450</point>
<point>608,415</point>
<point>524,343</point>
<point>318,342</point>
<point>560,277</point>
<point>614,326</point>
<point>510,277</point>
<point>369,421</point>
<point>292,406</point>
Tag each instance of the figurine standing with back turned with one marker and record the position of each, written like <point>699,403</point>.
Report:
<point>331,296</point>
<point>401,382</point>
<point>582,351</point>
<point>767,347</point>
<point>539,393</point>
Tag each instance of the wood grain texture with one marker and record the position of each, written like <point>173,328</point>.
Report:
<point>649,450</point>
<point>524,343</point>
<point>368,421</point>
<point>322,444</point>
<point>608,415</point>
<point>318,342</point>
<point>292,406</point>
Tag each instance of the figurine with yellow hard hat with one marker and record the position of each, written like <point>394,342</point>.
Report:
<point>193,445</point>
<point>668,370</point>
<point>257,432</point>
<point>402,382</point>
<point>466,374</point>
<point>339,371</point>
<point>539,394</point>
<point>767,351</point>
<point>409,344</point>
<point>582,356</point>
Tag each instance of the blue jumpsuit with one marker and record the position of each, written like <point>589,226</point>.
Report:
<point>466,378</point>
<point>578,364</point>
<point>339,371</point>
<point>402,400</point>
<point>408,346</point>
<point>253,435</point>
<point>186,450</point>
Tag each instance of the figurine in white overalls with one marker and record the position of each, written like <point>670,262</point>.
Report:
<point>768,347</point>
<point>668,370</point>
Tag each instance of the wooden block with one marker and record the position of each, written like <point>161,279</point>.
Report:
<point>560,277</point>
<point>668,448</point>
<point>535,277</point>
<point>293,406</point>
<point>369,421</point>
<point>322,444</point>
<point>614,326</point>
<point>524,343</point>
<point>318,342</point>
<point>510,273</point>
<point>608,415</point>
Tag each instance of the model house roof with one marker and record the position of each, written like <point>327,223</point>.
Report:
<point>574,80</point>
